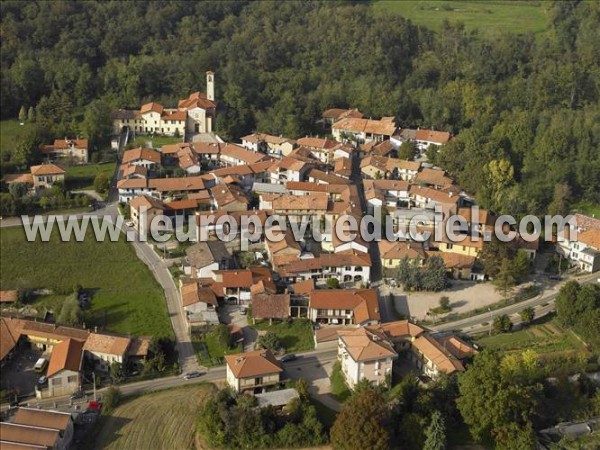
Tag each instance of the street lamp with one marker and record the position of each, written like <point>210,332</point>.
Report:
<point>491,320</point>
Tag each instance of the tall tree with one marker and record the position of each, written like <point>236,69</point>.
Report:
<point>436,433</point>
<point>408,150</point>
<point>22,114</point>
<point>362,423</point>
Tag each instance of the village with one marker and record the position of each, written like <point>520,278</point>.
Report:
<point>347,300</point>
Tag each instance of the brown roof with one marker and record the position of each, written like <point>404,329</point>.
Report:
<point>47,169</point>
<point>315,142</point>
<point>196,100</point>
<point>105,343</point>
<point>154,107</point>
<point>177,184</point>
<point>437,137</point>
<point>192,293</point>
<point>67,143</point>
<point>18,178</point>
<point>170,149</point>
<point>310,202</point>
<point>590,237</point>
<point>288,242</point>
<point>401,328</point>
<point>146,201</point>
<point>327,260</point>
<point>329,178</point>
<point>134,170</point>
<point>434,177</point>
<point>139,346</point>
<point>41,418</point>
<point>210,148</point>
<point>268,138</point>
<point>400,250</point>
<point>367,345</point>
<point>132,183</point>
<point>23,434</point>
<point>384,126</point>
<point>313,187</point>
<point>141,153</point>
<point>455,345</point>
<point>9,296</point>
<point>51,331</point>
<point>454,260</point>
<point>66,355</point>
<point>363,302</point>
<point>304,287</point>
<point>226,194</point>
<point>340,113</point>
<point>386,164</point>
<point>448,198</point>
<point>253,364</point>
<point>178,116</point>
<point>271,306</point>
<point>441,358</point>
<point>241,154</point>
<point>9,335</point>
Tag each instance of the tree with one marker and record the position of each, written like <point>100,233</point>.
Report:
<point>18,190</point>
<point>444,302</point>
<point>31,114</point>
<point>22,114</point>
<point>362,423</point>
<point>436,433</point>
<point>97,122</point>
<point>101,183</point>
<point>504,279</point>
<point>568,309</point>
<point>492,255</point>
<point>116,372</point>
<point>520,266</point>
<point>111,399</point>
<point>499,392</point>
<point>70,313</point>
<point>270,341</point>
<point>434,276</point>
<point>502,323</point>
<point>333,283</point>
<point>527,315</point>
<point>408,150</point>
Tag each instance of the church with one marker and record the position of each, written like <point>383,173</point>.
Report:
<point>195,114</point>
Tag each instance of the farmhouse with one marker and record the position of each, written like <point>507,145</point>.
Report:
<point>344,306</point>
<point>64,368</point>
<point>363,130</point>
<point>73,149</point>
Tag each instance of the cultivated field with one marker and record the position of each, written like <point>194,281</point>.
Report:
<point>125,296</point>
<point>165,419</point>
<point>81,177</point>
<point>545,337</point>
<point>489,17</point>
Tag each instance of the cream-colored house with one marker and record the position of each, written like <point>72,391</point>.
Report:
<point>104,349</point>
<point>64,369</point>
<point>45,175</point>
<point>365,354</point>
<point>253,370</point>
<point>74,149</point>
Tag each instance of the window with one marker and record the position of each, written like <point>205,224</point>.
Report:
<point>72,379</point>
<point>57,381</point>
<point>449,246</point>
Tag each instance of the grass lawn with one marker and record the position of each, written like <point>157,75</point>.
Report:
<point>81,177</point>
<point>545,336</point>
<point>339,388</point>
<point>10,131</point>
<point>295,335</point>
<point>588,208</point>
<point>489,17</point>
<point>210,350</point>
<point>157,141</point>
<point>125,296</point>
<point>165,419</point>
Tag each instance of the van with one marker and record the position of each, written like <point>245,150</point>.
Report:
<point>40,365</point>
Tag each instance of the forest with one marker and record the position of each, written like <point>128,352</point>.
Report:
<point>524,108</point>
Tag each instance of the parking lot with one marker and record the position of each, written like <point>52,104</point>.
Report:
<point>18,373</point>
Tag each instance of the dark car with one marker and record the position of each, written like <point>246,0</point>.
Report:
<point>192,374</point>
<point>288,358</point>
<point>554,277</point>
<point>78,394</point>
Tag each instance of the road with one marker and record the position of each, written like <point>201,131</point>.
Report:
<point>309,366</point>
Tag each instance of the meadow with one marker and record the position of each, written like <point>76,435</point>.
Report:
<point>488,17</point>
<point>125,296</point>
<point>81,177</point>
<point>165,419</point>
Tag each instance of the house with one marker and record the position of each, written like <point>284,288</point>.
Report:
<point>270,306</point>
<point>199,303</point>
<point>277,400</point>
<point>287,246</point>
<point>465,245</point>
<point>203,258</point>
<point>584,249</point>
<point>363,130</point>
<point>344,306</point>
<point>432,358</point>
<point>275,146</point>
<point>254,371</point>
<point>423,138</point>
<point>145,204</point>
<point>141,156</point>
<point>288,169</point>
<point>332,115</point>
<point>235,285</point>
<point>365,354</point>
<point>195,114</point>
<point>33,423</point>
<point>207,151</point>
<point>387,193</point>
<point>235,155</point>
<point>434,178</point>
<point>312,204</point>
<point>319,177</point>
<point>16,436</point>
<point>73,149</point>
<point>425,197</point>
<point>320,148</point>
<point>189,161</point>
<point>128,172</point>
<point>373,148</point>
<point>64,368</point>
<point>346,267</point>
<point>377,167</point>
<point>229,197</point>
<point>393,252</point>
<point>45,175</point>
<point>104,349</point>
<point>343,167</point>
<point>459,266</point>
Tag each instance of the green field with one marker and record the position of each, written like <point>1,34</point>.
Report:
<point>544,337</point>
<point>165,419</point>
<point>588,208</point>
<point>10,131</point>
<point>210,349</point>
<point>81,177</point>
<point>157,141</point>
<point>125,296</point>
<point>489,17</point>
<point>295,335</point>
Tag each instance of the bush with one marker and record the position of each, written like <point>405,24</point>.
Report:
<point>101,183</point>
<point>111,399</point>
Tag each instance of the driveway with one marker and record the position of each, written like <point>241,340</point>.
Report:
<point>18,373</point>
<point>232,314</point>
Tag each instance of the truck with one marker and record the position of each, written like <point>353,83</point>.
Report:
<point>40,365</point>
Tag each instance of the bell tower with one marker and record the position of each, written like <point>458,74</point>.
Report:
<point>210,85</point>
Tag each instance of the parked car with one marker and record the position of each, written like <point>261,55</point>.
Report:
<point>42,380</point>
<point>129,223</point>
<point>78,394</point>
<point>554,277</point>
<point>288,358</point>
<point>192,374</point>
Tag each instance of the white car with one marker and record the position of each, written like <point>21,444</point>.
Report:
<point>129,223</point>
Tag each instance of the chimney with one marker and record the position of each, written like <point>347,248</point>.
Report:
<point>210,85</point>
